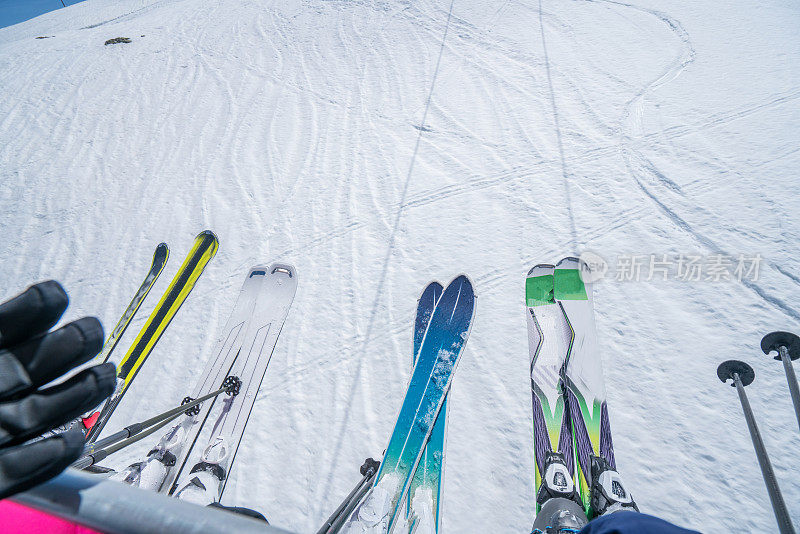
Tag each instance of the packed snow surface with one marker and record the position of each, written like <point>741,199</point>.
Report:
<point>377,145</point>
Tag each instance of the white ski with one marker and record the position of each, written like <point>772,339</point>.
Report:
<point>203,476</point>
<point>157,471</point>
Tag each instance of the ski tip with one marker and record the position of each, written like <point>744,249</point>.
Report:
<point>463,283</point>
<point>282,268</point>
<point>258,270</point>
<point>541,269</point>
<point>461,279</point>
<point>540,285</point>
<point>161,254</point>
<point>434,288</point>
<point>570,262</point>
<point>205,234</point>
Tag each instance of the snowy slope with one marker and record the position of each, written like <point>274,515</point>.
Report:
<point>377,145</point>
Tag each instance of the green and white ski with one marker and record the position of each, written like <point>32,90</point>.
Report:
<point>583,376</point>
<point>549,340</point>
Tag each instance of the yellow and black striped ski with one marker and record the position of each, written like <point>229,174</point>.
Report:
<point>205,247</point>
<point>160,258</point>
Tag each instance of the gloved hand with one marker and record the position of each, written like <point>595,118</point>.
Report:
<point>31,357</point>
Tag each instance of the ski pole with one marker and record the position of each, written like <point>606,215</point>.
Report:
<point>743,375</point>
<point>368,470</point>
<point>99,455</point>
<point>230,385</point>
<point>337,525</point>
<point>787,345</point>
<point>358,495</point>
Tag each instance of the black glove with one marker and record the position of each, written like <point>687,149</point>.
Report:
<point>31,357</point>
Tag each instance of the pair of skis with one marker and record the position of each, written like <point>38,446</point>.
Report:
<point>199,474</point>
<point>204,248</point>
<point>572,435</point>
<point>444,319</point>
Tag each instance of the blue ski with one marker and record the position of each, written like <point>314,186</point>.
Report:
<point>440,349</point>
<point>422,510</point>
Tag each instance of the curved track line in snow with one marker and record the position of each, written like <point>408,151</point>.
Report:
<point>721,118</point>
<point>482,181</point>
<point>785,273</point>
<point>634,159</point>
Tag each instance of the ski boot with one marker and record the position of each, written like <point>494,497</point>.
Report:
<point>208,475</point>
<point>130,475</point>
<point>561,508</point>
<point>561,516</point>
<point>151,473</point>
<point>608,493</point>
<point>557,480</point>
<point>372,514</point>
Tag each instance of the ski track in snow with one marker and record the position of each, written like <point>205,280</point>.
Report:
<point>379,144</point>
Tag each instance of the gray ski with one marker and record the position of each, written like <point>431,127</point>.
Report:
<point>157,471</point>
<point>201,478</point>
